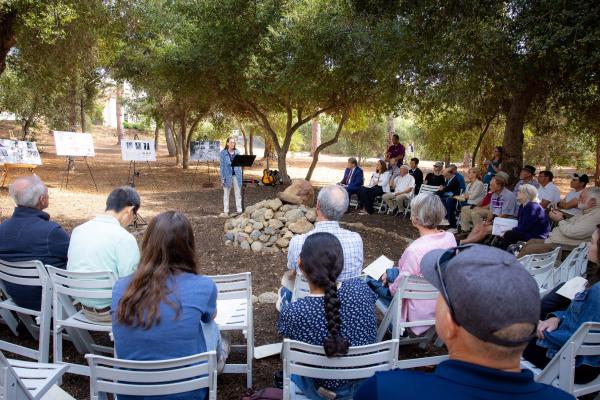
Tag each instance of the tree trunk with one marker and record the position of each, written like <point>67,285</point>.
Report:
<point>171,147</point>
<point>282,167</point>
<point>391,127</point>
<point>251,140</point>
<point>315,137</point>
<point>82,113</point>
<point>481,136</point>
<point>598,159</point>
<point>8,38</point>
<point>119,107</point>
<point>156,135</point>
<point>326,144</point>
<point>72,117</point>
<point>245,139</point>
<point>186,143</point>
<point>512,144</point>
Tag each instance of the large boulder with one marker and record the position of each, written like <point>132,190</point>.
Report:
<point>293,215</point>
<point>300,226</point>
<point>299,192</point>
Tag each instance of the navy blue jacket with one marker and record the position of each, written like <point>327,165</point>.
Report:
<point>30,235</point>
<point>357,179</point>
<point>457,380</point>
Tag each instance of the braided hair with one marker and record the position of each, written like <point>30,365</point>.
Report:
<point>322,260</point>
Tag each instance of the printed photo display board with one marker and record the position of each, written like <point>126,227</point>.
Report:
<point>73,144</point>
<point>19,152</point>
<point>138,150</point>
<point>205,150</point>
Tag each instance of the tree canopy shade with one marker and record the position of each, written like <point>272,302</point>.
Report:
<point>266,59</point>
<point>515,52</point>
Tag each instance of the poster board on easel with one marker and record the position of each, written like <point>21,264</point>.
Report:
<point>19,152</point>
<point>74,144</point>
<point>138,150</point>
<point>205,150</point>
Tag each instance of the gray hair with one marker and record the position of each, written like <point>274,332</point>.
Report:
<point>353,161</point>
<point>453,168</point>
<point>333,202</point>
<point>26,191</point>
<point>404,166</point>
<point>530,192</point>
<point>427,210</point>
<point>594,193</point>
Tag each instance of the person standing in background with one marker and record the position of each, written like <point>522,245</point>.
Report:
<point>230,176</point>
<point>395,151</point>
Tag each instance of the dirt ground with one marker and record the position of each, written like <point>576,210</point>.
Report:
<point>163,187</point>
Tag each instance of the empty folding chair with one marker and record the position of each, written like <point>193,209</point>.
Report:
<point>153,378</point>
<point>27,273</point>
<point>574,265</point>
<point>310,361</point>
<point>67,286</point>
<point>560,371</point>
<point>541,267</point>
<point>234,313</point>
<point>27,380</point>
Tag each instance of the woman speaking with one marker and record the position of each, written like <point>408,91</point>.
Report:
<point>230,176</point>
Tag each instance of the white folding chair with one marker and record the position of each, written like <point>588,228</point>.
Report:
<point>560,371</point>
<point>27,380</point>
<point>301,288</point>
<point>379,204</point>
<point>310,361</point>
<point>67,286</point>
<point>27,273</point>
<point>541,267</point>
<point>234,313</point>
<point>409,288</point>
<point>574,265</point>
<point>485,187</point>
<point>153,378</point>
<point>424,189</point>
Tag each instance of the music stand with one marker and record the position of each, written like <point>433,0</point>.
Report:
<point>242,161</point>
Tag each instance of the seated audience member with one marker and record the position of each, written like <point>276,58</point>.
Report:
<point>353,177</point>
<point>526,176</point>
<point>475,191</point>
<point>461,179</point>
<point>404,186</point>
<point>570,232</point>
<point>559,326</point>
<point>548,192</point>
<point>570,201</point>
<point>426,214</point>
<point>447,192</point>
<point>494,165</point>
<point>333,316</point>
<point>436,178</point>
<point>378,185</point>
<point>393,169</point>
<point>159,311</point>
<point>30,235</point>
<point>416,172</point>
<point>503,203</point>
<point>103,244</point>
<point>332,203</point>
<point>486,313</point>
<point>533,221</point>
<point>395,151</point>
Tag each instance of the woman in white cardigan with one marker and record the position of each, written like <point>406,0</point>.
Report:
<point>475,191</point>
<point>378,185</point>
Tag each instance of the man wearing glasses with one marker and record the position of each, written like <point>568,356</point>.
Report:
<point>570,201</point>
<point>103,244</point>
<point>486,313</point>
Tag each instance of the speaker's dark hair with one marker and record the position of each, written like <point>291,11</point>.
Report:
<point>322,261</point>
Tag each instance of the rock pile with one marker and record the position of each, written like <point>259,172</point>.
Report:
<point>268,226</point>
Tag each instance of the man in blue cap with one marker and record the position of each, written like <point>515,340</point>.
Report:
<point>487,311</point>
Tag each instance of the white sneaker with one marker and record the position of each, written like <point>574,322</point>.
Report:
<point>452,230</point>
<point>224,215</point>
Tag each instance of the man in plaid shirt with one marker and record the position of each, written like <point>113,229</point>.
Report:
<point>332,203</point>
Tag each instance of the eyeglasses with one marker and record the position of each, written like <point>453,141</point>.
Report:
<point>442,261</point>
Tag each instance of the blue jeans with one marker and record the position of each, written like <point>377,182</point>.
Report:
<point>307,386</point>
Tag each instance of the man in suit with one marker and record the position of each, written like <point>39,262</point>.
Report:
<point>353,177</point>
<point>447,193</point>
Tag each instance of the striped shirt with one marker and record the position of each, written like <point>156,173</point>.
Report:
<point>352,246</point>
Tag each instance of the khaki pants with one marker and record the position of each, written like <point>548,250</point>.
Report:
<point>393,200</point>
<point>469,217</point>
<point>97,316</point>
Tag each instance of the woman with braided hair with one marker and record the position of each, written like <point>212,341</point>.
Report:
<point>334,315</point>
